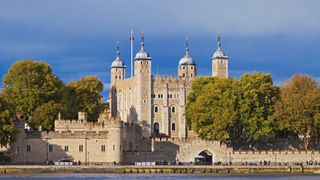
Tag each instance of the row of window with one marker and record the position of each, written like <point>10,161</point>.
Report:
<point>172,109</point>
<point>184,75</point>
<point>156,127</point>
<point>170,96</point>
<point>183,67</point>
<point>66,148</point>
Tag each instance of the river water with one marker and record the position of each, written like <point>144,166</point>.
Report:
<point>161,176</point>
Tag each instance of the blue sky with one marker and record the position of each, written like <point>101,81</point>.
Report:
<point>77,37</point>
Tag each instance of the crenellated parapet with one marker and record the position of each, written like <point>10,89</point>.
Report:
<point>77,125</point>
<point>170,79</point>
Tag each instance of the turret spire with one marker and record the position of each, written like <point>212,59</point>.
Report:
<point>142,39</point>
<point>118,49</point>
<point>219,43</point>
<point>187,46</point>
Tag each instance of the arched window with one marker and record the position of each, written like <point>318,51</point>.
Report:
<point>155,109</point>
<point>116,77</point>
<point>173,126</point>
<point>156,128</point>
<point>183,75</point>
<point>173,109</point>
<point>191,74</point>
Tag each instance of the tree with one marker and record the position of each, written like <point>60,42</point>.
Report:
<point>7,130</point>
<point>236,110</point>
<point>45,115</point>
<point>256,107</point>
<point>212,108</point>
<point>299,107</point>
<point>88,98</point>
<point>30,84</point>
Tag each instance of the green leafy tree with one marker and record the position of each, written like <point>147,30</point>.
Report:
<point>298,109</point>
<point>45,115</point>
<point>7,130</point>
<point>88,98</point>
<point>29,84</point>
<point>256,108</point>
<point>212,108</point>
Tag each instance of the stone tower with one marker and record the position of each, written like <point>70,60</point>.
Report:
<point>118,71</point>
<point>142,75</point>
<point>219,62</point>
<point>187,66</point>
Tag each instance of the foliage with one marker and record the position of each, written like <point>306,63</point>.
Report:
<point>7,130</point>
<point>298,109</point>
<point>30,84</point>
<point>45,115</point>
<point>212,108</point>
<point>88,98</point>
<point>256,107</point>
<point>230,109</point>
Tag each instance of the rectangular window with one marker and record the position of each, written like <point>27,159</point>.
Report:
<point>66,148</point>
<point>114,147</point>
<point>28,148</point>
<point>80,148</point>
<point>103,148</point>
<point>50,148</point>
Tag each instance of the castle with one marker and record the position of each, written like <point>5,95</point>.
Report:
<point>157,102</point>
<point>145,123</point>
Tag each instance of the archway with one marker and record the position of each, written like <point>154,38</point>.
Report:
<point>156,128</point>
<point>204,158</point>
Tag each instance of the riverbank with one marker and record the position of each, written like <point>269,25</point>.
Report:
<point>23,169</point>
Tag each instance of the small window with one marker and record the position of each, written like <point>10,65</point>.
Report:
<point>114,147</point>
<point>141,62</point>
<point>173,126</point>
<point>183,75</point>
<point>191,67</point>
<point>173,109</point>
<point>156,109</point>
<point>144,101</point>
<point>170,95</point>
<point>191,74</point>
<point>119,77</point>
<point>28,148</point>
<point>103,148</point>
<point>159,96</point>
<point>66,148</point>
<point>182,67</point>
<point>50,148</point>
<point>116,77</point>
<point>80,148</point>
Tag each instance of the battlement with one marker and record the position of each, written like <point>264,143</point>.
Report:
<point>77,125</point>
<point>165,78</point>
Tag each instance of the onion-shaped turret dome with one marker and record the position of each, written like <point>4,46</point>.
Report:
<point>219,53</point>
<point>142,54</point>
<point>187,59</point>
<point>118,63</point>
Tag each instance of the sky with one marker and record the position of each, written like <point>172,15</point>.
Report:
<point>78,37</point>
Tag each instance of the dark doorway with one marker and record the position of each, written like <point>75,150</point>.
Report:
<point>204,158</point>
<point>156,128</point>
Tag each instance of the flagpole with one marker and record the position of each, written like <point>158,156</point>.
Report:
<point>131,45</point>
